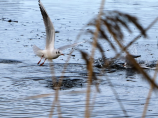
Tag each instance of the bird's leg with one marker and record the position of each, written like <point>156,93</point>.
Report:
<point>43,62</point>
<point>40,59</point>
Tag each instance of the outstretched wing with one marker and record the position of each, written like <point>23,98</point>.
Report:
<point>50,31</point>
<point>37,51</point>
<point>69,46</point>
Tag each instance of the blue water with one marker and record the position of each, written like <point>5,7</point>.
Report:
<point>20,80</point>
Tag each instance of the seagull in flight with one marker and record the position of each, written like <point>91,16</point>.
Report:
<point>49,52</point>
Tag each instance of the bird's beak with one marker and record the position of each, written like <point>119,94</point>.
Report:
<point>62,54</point>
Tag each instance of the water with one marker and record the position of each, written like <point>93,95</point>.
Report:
<point>22,77</point>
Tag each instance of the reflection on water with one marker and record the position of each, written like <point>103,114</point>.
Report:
<point>22,77</point>
<point>130,72</point>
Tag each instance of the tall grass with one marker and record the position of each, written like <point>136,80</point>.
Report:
<point>106,23</point>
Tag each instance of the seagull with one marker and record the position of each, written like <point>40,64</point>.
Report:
<point>49,52</point>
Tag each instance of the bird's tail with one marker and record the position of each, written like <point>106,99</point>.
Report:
<point>37,51</point>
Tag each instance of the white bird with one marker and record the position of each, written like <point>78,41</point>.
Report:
<point>50,52</point>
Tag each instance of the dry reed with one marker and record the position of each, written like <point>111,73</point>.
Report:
<point>109,22</point>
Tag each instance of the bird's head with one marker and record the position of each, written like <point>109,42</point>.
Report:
<point>59,52</point>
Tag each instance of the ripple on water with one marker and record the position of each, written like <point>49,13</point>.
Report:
<point>21,77</point>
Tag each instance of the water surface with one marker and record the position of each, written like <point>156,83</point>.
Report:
<point>22,77</point>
